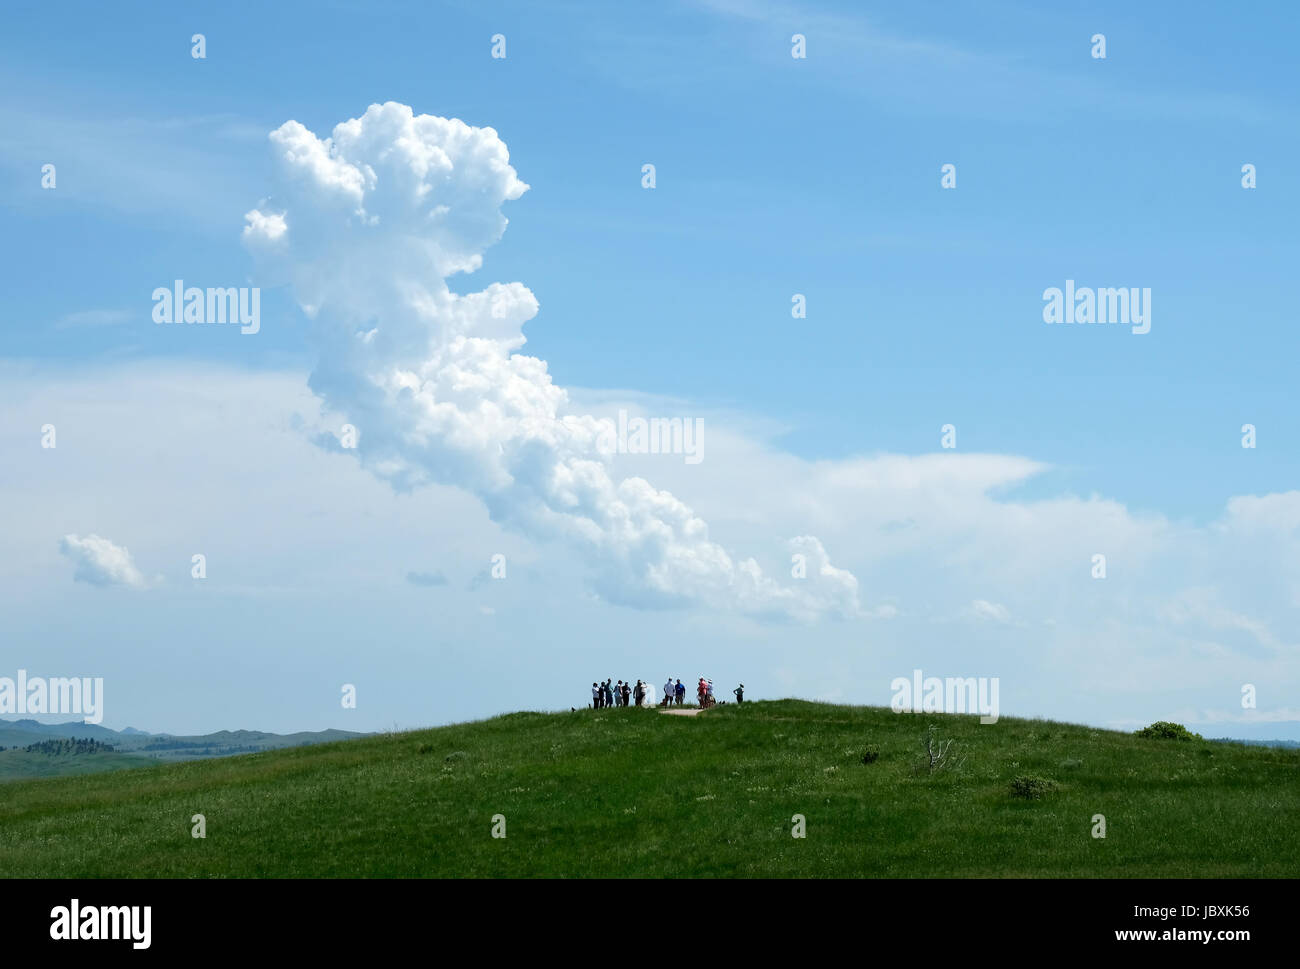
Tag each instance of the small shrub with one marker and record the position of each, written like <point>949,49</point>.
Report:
<point>1164,730</point>
<point>871,754</point>
<point>455,755</point>
<point>1031,788</point>
<point>1071,764</point>
<point>424,749</point>
<point>939,754</point>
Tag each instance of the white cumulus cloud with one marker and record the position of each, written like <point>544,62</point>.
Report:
<point>100,562</point>
<point>993,611</point>
<point>366,227</point>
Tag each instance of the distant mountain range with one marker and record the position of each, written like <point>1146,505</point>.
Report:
<point>132,747</point>
<point>1256,743</point>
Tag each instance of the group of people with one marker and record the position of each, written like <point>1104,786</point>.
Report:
<point>703,692</point>
<point>619,695</point>
<point>622,694</point>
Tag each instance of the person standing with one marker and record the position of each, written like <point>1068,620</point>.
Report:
<point>740,693</point>
<point>595,697</point>
<point>680,693</point>
<point>668,691</point>
<point>627,692</point>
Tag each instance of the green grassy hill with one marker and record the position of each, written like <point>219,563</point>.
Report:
<point>633,792</point>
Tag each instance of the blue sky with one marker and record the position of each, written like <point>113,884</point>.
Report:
<point>774,176</point>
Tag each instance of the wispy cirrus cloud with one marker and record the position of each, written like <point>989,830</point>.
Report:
<point>115,162</point>
<point>100,317</point>
<point>936,74</point>
<point>426,579</point>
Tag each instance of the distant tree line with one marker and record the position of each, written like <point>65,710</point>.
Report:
<point>69,745</point>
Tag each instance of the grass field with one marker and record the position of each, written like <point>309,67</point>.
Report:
<point>632,792</point>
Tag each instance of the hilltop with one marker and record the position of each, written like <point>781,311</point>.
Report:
<point>631,792</point>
